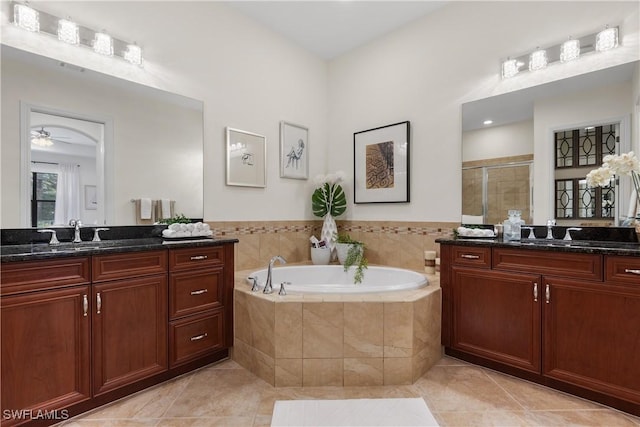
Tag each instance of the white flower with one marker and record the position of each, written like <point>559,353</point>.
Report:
<point>599,177</point>
<point>319,180</point>
<point>623,164</point>
<point>331,179</point>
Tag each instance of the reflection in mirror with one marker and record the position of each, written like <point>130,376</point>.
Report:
<point>152,140</point>
<point>503,162</point>
<point>65,181</point>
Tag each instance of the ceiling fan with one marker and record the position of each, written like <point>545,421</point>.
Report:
<point>43,138</point>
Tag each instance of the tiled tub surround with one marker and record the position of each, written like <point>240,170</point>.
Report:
<point>337,340</point>
<point>391,243</point>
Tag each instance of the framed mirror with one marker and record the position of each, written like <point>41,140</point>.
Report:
<point>246,158</point>
<point>151,145</point>
<point>510,163</point>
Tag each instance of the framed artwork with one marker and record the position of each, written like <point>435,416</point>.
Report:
<point>246,158</point>
<point>294,151</point>
<point>90,197</point>
<point>381,164</point>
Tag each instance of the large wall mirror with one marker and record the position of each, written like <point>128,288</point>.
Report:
<point>513,162</point>
<point>119,141</point>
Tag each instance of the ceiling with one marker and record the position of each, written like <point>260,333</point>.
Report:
<point>330,28</point>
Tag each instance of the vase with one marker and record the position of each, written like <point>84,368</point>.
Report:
<point>329,233</point>
<point>342,251</point>
<point>320,256</point>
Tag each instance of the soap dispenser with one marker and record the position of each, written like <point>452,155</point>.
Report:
<point>512,225</point>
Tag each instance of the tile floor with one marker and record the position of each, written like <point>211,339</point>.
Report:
<point>457,393</point>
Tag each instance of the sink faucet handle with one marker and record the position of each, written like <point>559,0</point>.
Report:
<point>54,238</point>
<point>532,234</point>
<point>96,233</point>
<point>567,235</point>
<point>283,291</point>
<point>255,286</point>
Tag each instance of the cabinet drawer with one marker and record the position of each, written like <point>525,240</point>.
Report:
<point>195,336</point>
<point>624,270</point>
<point>559,264</point>
<point>120,266</point>
<point>190,258</point>
<point>191,292</point>
<point>44,274</point>
<point>472,256</point>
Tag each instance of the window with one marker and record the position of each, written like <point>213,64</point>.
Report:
<point>43,198</point>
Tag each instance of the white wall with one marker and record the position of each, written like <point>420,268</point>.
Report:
<point>514,139</point>
<point>249,78</point>
<point>425,71</point>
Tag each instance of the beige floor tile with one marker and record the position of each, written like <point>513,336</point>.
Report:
<point>481,419</point>
<point>590,418</point>
<point>125,422</point>
<point>537,397</point>
<point>206,422</point>
<point>450,388</point>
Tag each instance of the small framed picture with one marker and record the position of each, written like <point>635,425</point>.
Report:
<point>294,151</point>
<point>381,164</point>
<point>90,197</point>
<point>246,158</point>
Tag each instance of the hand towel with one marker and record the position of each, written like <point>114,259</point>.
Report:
<point>166,208</point>
<point>145,208</point>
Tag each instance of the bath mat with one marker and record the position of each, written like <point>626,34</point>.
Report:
<point>352,412</point>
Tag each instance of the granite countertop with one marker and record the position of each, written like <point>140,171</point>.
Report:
<point>576,246</point>
<point>38,251</point>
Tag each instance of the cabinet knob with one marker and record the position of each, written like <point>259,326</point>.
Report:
<point>535,292</point>
<point>98,303</point>
<point>85,305</point>
<point>547,294</point>
<point>467,256</point>
<point>630,271</point>
<point>198,257</point>
<point>199,292</point>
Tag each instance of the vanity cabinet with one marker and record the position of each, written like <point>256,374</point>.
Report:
<point>564,319</point>
<point>129,318</point>
<point>196,302</point>
<point>46,335</point>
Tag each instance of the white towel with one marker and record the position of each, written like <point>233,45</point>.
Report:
<point>145,208</point>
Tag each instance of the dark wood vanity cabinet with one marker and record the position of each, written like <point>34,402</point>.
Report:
<point>46,337</point>
<point>78,332</point>
<point>568,320</point>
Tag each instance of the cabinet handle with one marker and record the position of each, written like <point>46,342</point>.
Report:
<point>547,294</point>
<point>630,271</point>
<point>199,292</point>
<point>470,256</point>
<point>198,257</point>
<point>85,305</point>
<point>198,337</point>
<point>98,303</point>
<point>535,292</point>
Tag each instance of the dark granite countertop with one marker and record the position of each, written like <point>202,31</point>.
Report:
<point>37,251</point>
<point>576,246</point>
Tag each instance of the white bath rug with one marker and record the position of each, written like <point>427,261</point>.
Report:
<point>352,412</point>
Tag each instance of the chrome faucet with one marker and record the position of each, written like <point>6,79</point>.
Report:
<point>77,224</point>
<point>96,234</point>
<point>550,224</point>
<point>532,234</point>
<point>268,287</point>
<point>567,235</point>
<point>54,239</point>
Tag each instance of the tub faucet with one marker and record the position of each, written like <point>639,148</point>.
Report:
<point>77,224</point>
<point>268,287</point>
<point>550,224</point>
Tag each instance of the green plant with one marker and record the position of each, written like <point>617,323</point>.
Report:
<point>355,256</point>
<point>178,219</point>
<point>329,197</point>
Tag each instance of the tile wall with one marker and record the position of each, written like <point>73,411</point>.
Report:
<point>391,243</point>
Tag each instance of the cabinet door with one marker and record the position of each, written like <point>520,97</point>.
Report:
<point>496,315</point>
<point>45,349</point>
<point>592,338</point>
<point>129,331</point>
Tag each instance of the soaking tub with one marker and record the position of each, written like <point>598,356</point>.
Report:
<point>324,279</point>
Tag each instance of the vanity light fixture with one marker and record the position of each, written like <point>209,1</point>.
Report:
<point>510,68</point>
<point>607,39</point>
<point>570,50</point>
<point>103,44</point>
<point>26,18</point>
<point>133,54</point>
<point>68,32</point>
<point>538,60</point>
